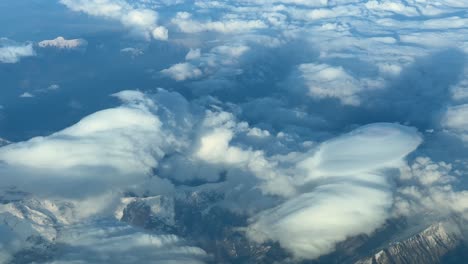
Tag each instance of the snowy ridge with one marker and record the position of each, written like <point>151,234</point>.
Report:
<point>428,246</point>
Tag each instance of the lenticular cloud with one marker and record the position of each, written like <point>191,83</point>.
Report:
<point>113,147</point>
<point>343,191</point>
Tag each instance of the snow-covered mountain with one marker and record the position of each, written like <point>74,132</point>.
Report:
<point>432,245</point>
<point>43,231</point>
<point>190,228</point>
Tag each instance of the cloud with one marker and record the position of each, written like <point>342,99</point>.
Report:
<point>182,72</point>
<point>219,61</point>
<point>118,243</point>
<point>214,145</point>
<point>456,120</point>
<point>193,54</point>
<point>460,90</point>
<point>393,6</point>
<point>40,91</point>
<point>141,21</point>
<point>26,95</point>
<point>105,8</point>
<point>53,87</point>
<point>325,81</point>
<point>160,33</point>
<point>62,43</point>
<point>110,148</point>
<point>134,52</point>
<point>343,178</point>
<point>429,188</point>
<point>312,3</point>
<point>187,25</point>
<point>11,52</point>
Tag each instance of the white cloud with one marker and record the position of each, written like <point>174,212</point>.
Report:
<point>308,3</point>
<point>392,6</point>
<point>182,72</point>
<point>460,90</point>
<point>11,52</point>
<point>139,20</point>
<point>193,54</point>
<point>26,95</point>
<point>343,178</point>
<point>105,8</point>
<point>110,148</point>
<point>160,33</point>
<point>428,190</point>
<point>220,60</point>
<point>213,145</point>
<point>62,43</point>
<point>304,226</point>
<point>257,132</point>
<point>43,152</point>
<point>325,81</point>
<point>186,24</point>
<point>456,120</point>
<point>230,51</point>
<point>53,87</point>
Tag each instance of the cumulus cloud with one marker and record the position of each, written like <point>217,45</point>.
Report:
<point>11,52</point>
<point>460,90</point>
<point>429,188</point>
<point>182,72</point>
<point>160,33</point>
<point>456,120</point>
<point>141,21</point>
<point>214,145</point>
<point>220,60</point>
<point>193,54</point>
<point>62,43</point>
<point>325,81</point>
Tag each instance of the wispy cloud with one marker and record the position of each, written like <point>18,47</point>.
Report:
<point>11,52</point>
